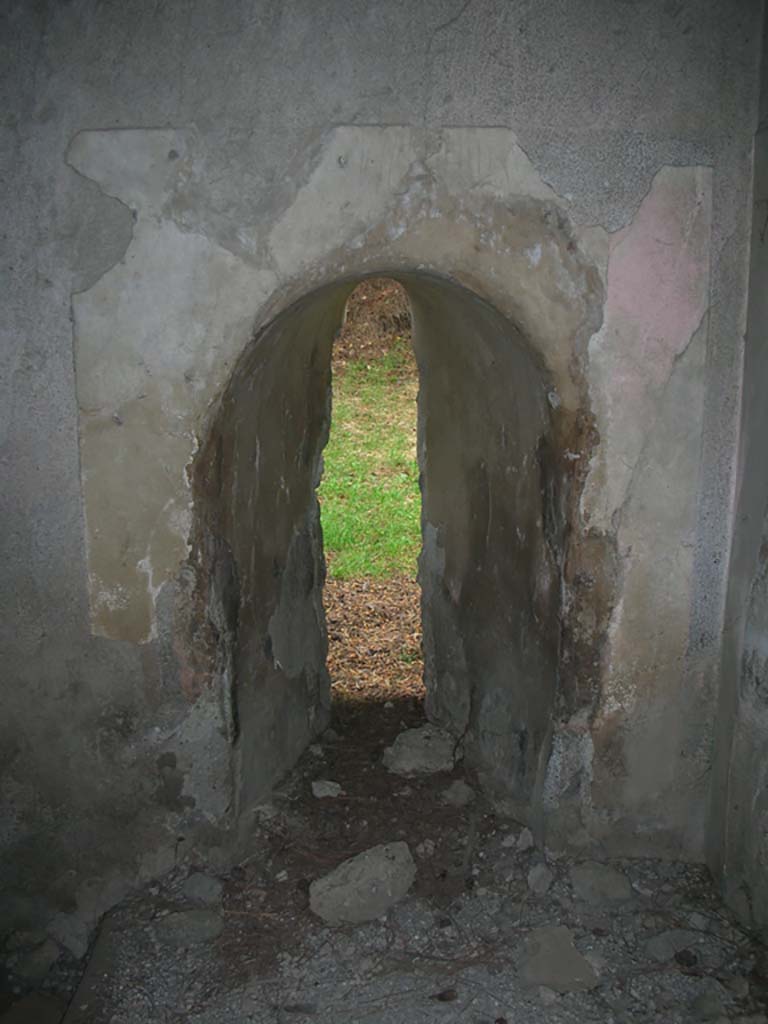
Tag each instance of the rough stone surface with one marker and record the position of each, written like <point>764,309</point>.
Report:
<point>364,887</point>
<point>552,960</point>
<point>600,883</point>
<point>421,751</point>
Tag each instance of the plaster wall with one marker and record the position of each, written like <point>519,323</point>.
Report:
<point>183,175</point>
<point>740,808</point>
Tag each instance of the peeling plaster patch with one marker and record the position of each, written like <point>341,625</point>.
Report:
<point>351,188</point>
<point>154,340</point>
<point>648,687</point>
<point>657,294</point>
<point>570,762</point>
<point>204,729</point>
<point>366,172</point>
<point>130,164</point>
<point>488,160</point>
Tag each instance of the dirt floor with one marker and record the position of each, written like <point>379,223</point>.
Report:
<point>495,929</point>
<point>374,625</point>
<point>374,639</point>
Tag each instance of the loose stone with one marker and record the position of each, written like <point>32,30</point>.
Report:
<point>540,878</point>
<point>201,888</point>
<point>668,944</point>
<point>323,788</point>
<point>189,927</point>
<point>553,961</point>
<point>459,794</point>
<point>597,883</point>
<point>421,751</point>
<point>364,887</point>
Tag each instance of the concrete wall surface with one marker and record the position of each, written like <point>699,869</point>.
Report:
<point>191,191</point>
<point>740,799</point>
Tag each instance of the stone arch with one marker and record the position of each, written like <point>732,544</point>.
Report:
<point>162,337</point>
<point>494,506</point>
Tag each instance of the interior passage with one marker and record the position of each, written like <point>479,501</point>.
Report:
<point>371,506</point>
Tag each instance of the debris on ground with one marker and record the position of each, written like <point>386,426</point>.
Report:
<point>468,933</point>
<point>422,751</point>
<point>458,794</point>
<point>551,960</point>
<point>364,887</point>
<point>374,639</point>
<point>598,883</point>
<point>325,788</point>
<point>202,888</point>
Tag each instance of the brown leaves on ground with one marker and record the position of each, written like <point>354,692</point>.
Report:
<point>374,638</point>
<point>377,314</point>
<point>374,625</point>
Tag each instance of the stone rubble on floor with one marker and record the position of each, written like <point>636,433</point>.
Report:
<point>458,794</point>
<point>325,788</point>
<point>551,960</point>
<point>598,883</point>
<point>540,878</point>
<point>485,926</point>
<point>364,887</point>
<point>202,888</point>
<point>189,927</point>
<point>421,751</point>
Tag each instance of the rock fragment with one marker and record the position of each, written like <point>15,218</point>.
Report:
<point>202,888</point>
<point>364,887</point>
<point>189,927</point>
<point>551,960</point>
<point>458,794</point>
<point>599,883</point>
<point>324,788</point>
<point>547,996</point>
<point>540,878</point>
<point>669,944</point>
<point>707,1006</point>
<point>525,841</point>
<point>421,751</point>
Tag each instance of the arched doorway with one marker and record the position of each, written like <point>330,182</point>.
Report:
<point>492,535</point>
<point>370,504</point>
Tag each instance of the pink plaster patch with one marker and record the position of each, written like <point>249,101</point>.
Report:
<point>658,273</point>
<point>657,295</point>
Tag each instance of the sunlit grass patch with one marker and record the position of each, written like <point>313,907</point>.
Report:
<point>370,491</point>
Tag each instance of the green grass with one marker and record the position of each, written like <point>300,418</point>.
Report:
<point>369,494</point>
